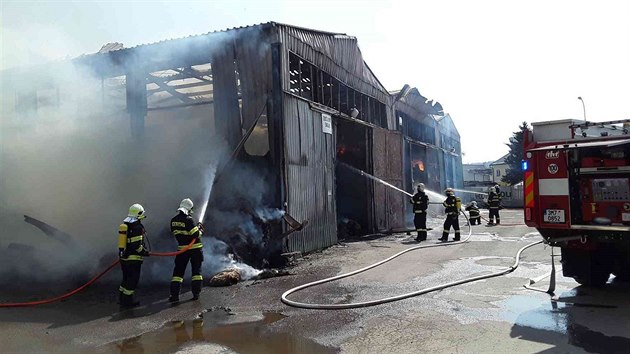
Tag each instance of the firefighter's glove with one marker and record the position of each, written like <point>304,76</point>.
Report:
<point>145,253</point>
<point>201,227</point>
<point>121,253</point>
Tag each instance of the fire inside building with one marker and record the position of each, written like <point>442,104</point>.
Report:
<point>277,111</point>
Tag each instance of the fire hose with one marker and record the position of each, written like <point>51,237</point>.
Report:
<point>93,280</point>
<point>304,305</point>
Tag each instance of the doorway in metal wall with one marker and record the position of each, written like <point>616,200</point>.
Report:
<point>353,191</point>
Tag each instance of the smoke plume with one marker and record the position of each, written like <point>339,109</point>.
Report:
<point>72,163</point>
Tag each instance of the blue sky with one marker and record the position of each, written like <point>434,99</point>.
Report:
<point>491,64</point>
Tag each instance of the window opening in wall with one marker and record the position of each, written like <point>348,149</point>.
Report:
<point>343,98</point>
<point>327,89</point>
<point>364,112</point>
<point>306,80</point>
<point>335,94</point>
<point>317,85</point>
<point>352,103</point>
<point>294,75</point>
<point>374,113</point>
<point>314,84</point>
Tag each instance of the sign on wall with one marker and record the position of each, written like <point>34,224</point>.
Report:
<point>326,123</point>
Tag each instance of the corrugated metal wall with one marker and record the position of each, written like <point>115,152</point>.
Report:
<point>379,160</point>
<point>395,199</point>
<point>225,95</point>
<point>309,159</point>
<point>253,54</point>
<point>389,207</point>
<point>339,56</point>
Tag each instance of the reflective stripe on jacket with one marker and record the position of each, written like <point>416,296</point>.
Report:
<point>131,240</point>
<point>420,202</point>
<point>184,229</point>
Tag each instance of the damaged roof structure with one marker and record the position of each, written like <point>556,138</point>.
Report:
<point>297,108</point>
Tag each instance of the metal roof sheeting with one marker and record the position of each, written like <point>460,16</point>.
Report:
<point>338,55</point>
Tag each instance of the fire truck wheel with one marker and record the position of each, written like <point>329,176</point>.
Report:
<point>595,279</point>
<point>622,270</point>
<point>587,268</point>
<point>622,276</point>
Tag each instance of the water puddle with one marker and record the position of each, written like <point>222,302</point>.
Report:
<point>199,336</point>
<point>541,320</point>
<point>536,313</point>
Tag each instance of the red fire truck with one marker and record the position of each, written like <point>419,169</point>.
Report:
<point>577,194</point>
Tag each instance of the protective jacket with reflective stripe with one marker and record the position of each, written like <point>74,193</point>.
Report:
<point>450,205</point>
<point>184,229</point>
<point>131,240</point>
<point>494,200</point>
<point>474,211</point>
<point>420,202</point>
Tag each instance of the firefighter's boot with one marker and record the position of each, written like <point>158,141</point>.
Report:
<point>128,302</point>
<point>175,286</point>
<point>196,289</point>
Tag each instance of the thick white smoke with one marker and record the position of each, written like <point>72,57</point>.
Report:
<point>75,165</point>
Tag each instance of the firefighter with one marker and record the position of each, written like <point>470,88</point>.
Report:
<point>185,230</point>
<point>451,208</point>
<point>420,203</point>
<point>473,211</point>
<point>131,249</point>
<point>494,204</point>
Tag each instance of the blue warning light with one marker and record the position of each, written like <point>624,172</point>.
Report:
<point>524,165</point>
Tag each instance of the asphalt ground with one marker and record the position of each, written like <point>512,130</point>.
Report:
<point>493,315</point>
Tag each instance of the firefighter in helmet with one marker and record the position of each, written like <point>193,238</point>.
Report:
<point>473,212</point>
<point>420,203</point>
<point>185,230</point>
<point>452,204</point>
<point>131,250</point>
<point>494,204</point>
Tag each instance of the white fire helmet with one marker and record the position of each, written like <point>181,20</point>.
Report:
<point>473,203</point>
<point>449,191</point>
<point>186,206</point>
<point>492,189</point>
<point>421,187</point>
<point>136,211</point>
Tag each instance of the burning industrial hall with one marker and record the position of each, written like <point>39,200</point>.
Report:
<point>264,127</point>
<point>270,159</point>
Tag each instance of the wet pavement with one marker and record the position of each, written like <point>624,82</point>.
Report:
<point>240,334</point>
<point>493,315</point>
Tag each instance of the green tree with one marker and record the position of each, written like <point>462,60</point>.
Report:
<point>514,173</point>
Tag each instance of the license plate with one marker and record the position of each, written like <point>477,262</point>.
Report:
<point>553,216</point>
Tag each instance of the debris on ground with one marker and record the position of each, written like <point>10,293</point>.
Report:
<point>271,273</point>
<point>233,275</point>
<point>217,309</point>
<point>225,278</point>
